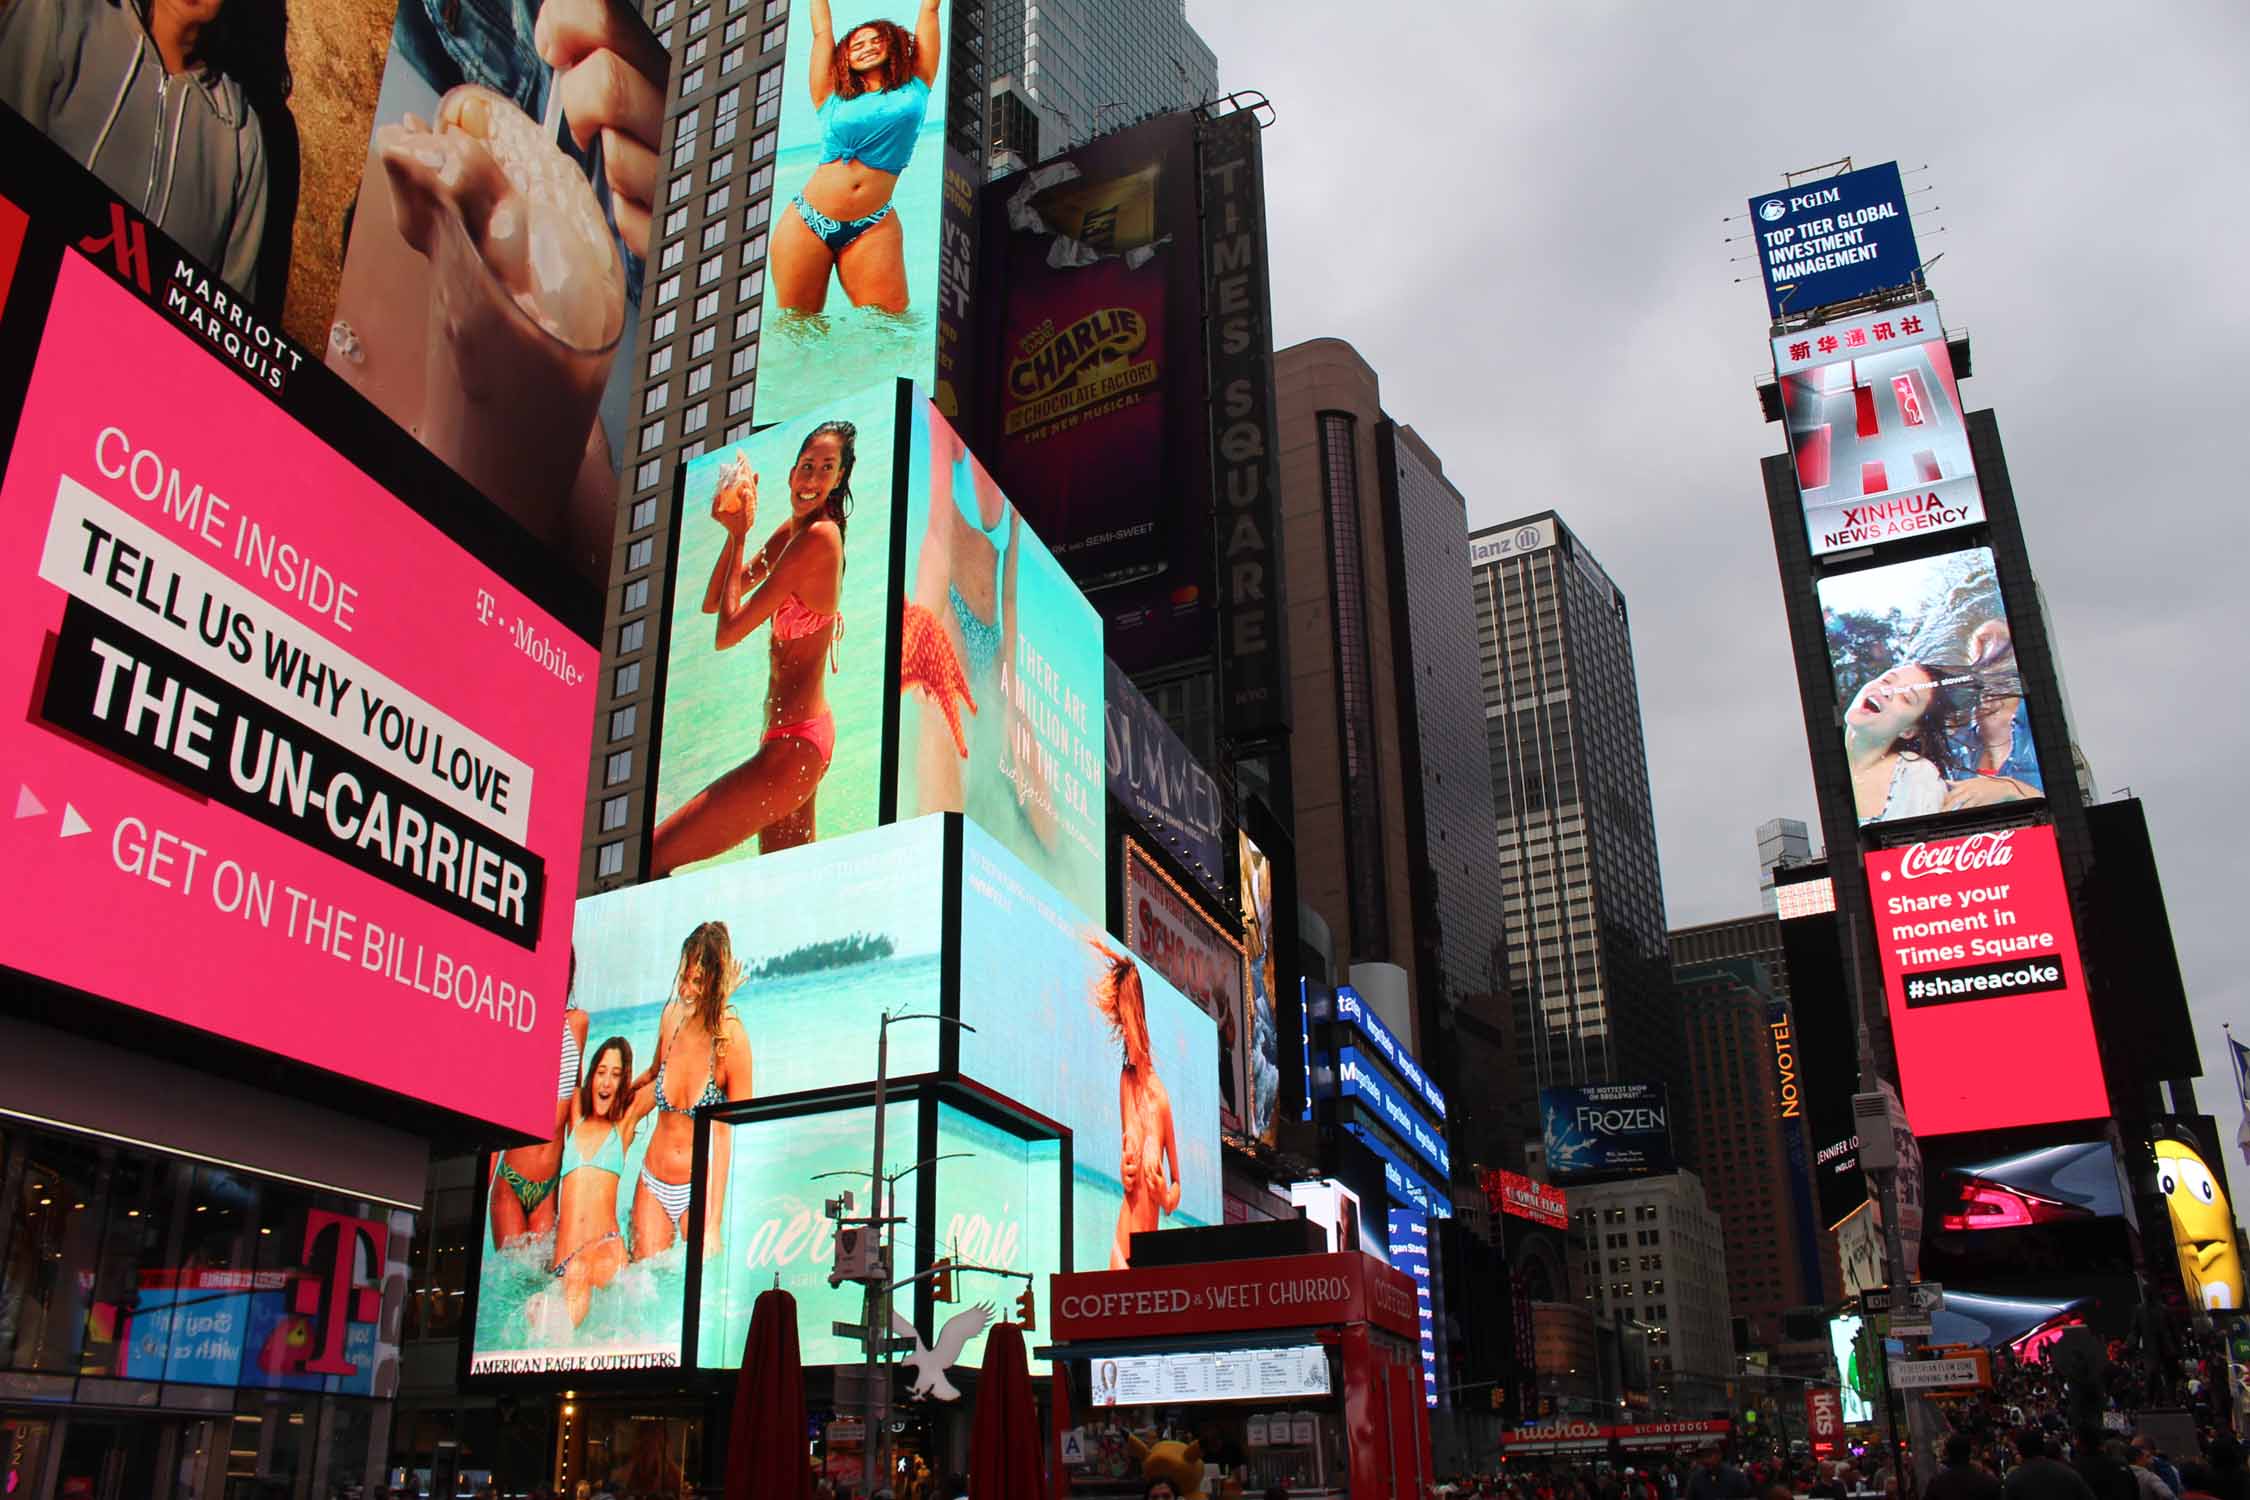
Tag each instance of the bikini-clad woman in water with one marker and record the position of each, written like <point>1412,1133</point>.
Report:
<point>871,94</point>
<point>795,580</point>
<point>524,1180</point>
<point>702,1059</point>
<point>1149,1159</point>
<point>589,1252</point>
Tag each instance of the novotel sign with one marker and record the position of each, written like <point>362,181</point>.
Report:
<point>1235,1296</point>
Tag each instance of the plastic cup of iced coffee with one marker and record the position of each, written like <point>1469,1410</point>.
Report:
<point>527,298</point>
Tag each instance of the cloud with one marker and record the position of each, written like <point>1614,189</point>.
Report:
<point>1514,212</point>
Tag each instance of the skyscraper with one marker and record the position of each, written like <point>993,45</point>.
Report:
<point>1583,902</point>
<point>1387,766</point>
<point>1090,66</point>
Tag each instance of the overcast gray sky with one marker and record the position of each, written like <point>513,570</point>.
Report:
<point>1514,212</point>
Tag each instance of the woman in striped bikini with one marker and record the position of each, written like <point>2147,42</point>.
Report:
<point>523,1180</point>
<point>698,1036</point>
<point>796,580</point>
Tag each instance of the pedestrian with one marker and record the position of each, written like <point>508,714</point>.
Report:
<point>1961,1479</point>
<point>1718,1480</point>
<point>2141,1457</point>
<point>2042,1476</point>
<point>2157,1461</point>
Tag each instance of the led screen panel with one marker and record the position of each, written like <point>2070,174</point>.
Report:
<point>774,680</point>
<point>1876,429</point>
<point>823,940</point>
<point>1139,1093</point>
<point>1927,688</point>
<point>1859,1386</point>
<point>1164,925</point>
<point>999,1208</point>
<point>1000,673</point>
<point>1981,971</point>
<point>272,721</point>
<point>501,239</point>
<point>851,292</point>
<point>1262,1056</point>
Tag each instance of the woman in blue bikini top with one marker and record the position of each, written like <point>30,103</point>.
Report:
<point>871,92</point>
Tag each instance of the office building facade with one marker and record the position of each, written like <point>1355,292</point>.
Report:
<point>1653,1263</point>
<point>1575,829</point>
<point>1083,68</point>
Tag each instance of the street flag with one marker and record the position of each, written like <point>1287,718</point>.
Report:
<point>2240,1056</point>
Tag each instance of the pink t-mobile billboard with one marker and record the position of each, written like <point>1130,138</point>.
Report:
<point>284,762</point>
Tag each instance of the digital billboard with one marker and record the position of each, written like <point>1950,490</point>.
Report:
<point>1927,688</point>
<point>999,1207</point>
<point>1000,670</point>
<point>2191,1178</point>
<point>1981,971</point>
<point>270,719</point>
<point>775,1226</point>
<point>260,158</point>
<point>1071,1025</point>
<point>851,295</point>
<point>1606,1130</point>
<point>808,950</point>
<point>1254,872</point>
<point>1876,429</point>
<point>1164,925</point>
<point>491,289</point>
<point>1096,411</point>
<point>1508,1192</point>
<point>775,686</point>
<point>1830,241</point>
<point>1861,1386</point>
<point>1156,778</point>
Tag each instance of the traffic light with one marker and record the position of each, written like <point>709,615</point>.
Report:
<point>1026,1308</point>
<point>941,1281</point>
<point>1499,1398</point>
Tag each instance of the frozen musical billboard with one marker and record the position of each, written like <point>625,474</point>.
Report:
<point>1876,429</point>
<point>1986,993</point>
<point>291,764</point>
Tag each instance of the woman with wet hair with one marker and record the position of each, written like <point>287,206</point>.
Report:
<point>795,582</point>
<point>1898,738</point>
<point>1148,1165</point>
<point>698,1036</point>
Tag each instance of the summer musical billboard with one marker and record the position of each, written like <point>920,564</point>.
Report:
<point>491,290</point>
<point>271,718</point>
<point>1071,1024</point>
<point>1876,429</point>
<point>746,981</point>
<point>1980,963</point>
<point>1928,692</point>
<point>1000,672</point>
<point>851,295</point>
<point>1164,925</point>
<point>775,687</point>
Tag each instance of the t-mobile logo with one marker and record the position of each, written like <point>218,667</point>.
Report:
<point>333,1301</point>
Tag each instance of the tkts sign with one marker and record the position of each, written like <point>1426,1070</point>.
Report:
<point>1824,1420</point>
<point>1980,962</point>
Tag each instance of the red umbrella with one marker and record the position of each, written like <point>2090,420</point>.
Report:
<point>1004,1447</point>
<point>766,1439</point>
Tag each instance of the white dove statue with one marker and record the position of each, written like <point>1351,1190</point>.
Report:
<point>929,1363</point>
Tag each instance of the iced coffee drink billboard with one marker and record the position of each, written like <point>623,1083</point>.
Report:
<point>492,283</point>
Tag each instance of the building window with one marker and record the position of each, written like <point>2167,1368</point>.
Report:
<point>627,680</point>
<point>692,451</point>
<point>755,216</point>
<point>729,61</point>
<point>609,860</point>
<point>702,342</point>
<point>630,637</point>
<point>754,250</point>
<point>738,399</point>
<point>775,9</point>
<point>638,554</point>
<point>737,29</point>
<point>664,326</point>
<point>698,380</point>
<point>668,290</point>
<point>721,166</point>
<point>665,13</point>
<point>694,418</point>
<point>653,399</point>
<point>699,22</point>
<point>762,147</point>
<point>675,221</point>
<point>644,513</point>
<point>621,722</point>
<point>751,285</point>
<point>613,813</point>
<point>693,81</point>
<point>683,138</point>
<point>652,436</point>
<point>706,306</point>
<point>671,255</point>
<point>773,38</point>
<point>738,432</point>
<point>745,356</point>
<point>651,470</point>
<point>710,270</point>
<point>636,595</point>
<point>713,233</point>
<point>659,361</point>
<point>682,185</point>
<point>759,181</point>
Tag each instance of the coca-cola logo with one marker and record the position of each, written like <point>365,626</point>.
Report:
<point>1979,851</point>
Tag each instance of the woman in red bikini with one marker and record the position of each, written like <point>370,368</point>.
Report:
<point>796,581</point>
<point>1148,1162</point>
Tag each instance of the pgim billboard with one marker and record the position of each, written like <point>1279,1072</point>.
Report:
<point>1932,705</point>
<point>1876,429</point>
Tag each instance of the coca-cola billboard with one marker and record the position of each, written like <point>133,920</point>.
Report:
<point>1986,992</point>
